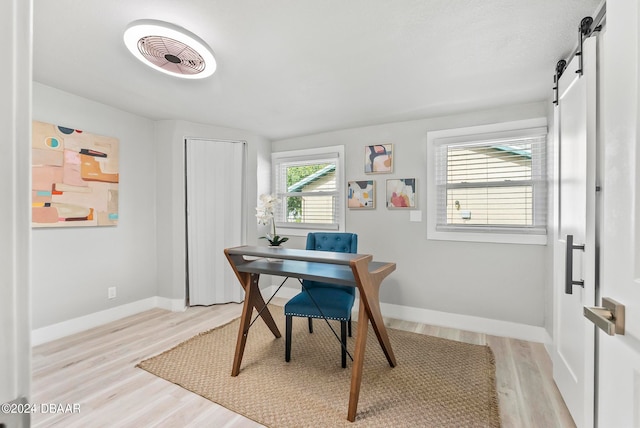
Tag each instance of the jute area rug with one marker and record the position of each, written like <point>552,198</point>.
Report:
<point>436,383</point>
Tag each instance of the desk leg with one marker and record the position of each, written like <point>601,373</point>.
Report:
<point>358,362</point>
<point>369,286</point>
<point>252,299</point>
<point>381,331</point>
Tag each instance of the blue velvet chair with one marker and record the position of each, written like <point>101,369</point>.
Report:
<point>335,301</point>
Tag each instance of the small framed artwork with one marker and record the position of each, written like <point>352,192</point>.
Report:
<point>361,194</point>
<point>401,193</point>
<point>378,159</point>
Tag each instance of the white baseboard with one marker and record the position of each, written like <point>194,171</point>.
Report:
<point>445,319</point>
<point>405,313</point>
<point>173,305</point>
<point>76,325</point>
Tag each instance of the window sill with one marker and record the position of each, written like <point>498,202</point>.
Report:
<point>496,238</point>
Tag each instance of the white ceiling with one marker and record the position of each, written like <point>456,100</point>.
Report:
<point>297,67</point>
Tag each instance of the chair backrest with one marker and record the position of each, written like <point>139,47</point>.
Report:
<point>338,242</point>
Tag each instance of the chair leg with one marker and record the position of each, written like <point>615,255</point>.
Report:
<point>310,324</point>
<point>343,348</point>
<point>349,326</point>
<point>287,345</point>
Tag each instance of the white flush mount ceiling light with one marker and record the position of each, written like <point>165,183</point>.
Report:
<point>170,49</point>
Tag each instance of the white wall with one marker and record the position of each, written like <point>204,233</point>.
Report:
<point>496,281</point>
<point>73,267</point>
<point>169,146</point>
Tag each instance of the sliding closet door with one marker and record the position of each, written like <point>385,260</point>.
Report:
<point>215,213</point>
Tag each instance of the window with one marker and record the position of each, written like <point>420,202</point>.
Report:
<point>491,183</point>
<point>309,185</point>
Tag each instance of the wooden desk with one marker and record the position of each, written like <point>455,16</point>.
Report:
<point>355,270</point>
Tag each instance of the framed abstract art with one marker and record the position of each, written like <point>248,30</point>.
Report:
<point>361,194</point>
<point>401,193</point>
<point>378,159</point>
<point>75,177</point>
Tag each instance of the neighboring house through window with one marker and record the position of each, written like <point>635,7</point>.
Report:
<point>310,187</point>
<point>488,183</point>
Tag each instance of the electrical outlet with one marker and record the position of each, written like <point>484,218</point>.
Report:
<point>111,292</point>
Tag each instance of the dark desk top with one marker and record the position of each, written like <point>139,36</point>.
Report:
<point>293,254</point>
<point>324,266</point>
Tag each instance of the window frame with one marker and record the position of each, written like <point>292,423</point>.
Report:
<point>479,233</point>
<point>301,229</point>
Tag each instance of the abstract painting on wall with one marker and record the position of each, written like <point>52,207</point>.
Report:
<point>378,159</point>
<point>401,193</point>
<point>361,194</point>
<point>75,177</point>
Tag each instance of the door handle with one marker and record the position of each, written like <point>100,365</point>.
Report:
<point>609,317</point>
<point>568,277</point>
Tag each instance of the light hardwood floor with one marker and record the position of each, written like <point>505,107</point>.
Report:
<point>96,370</point>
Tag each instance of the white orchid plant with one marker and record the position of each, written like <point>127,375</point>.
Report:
<point>264,214</point>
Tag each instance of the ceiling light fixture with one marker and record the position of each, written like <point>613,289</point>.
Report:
<point>170,49</point>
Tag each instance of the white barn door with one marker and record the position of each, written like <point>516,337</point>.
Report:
<point>575,244</point>
<point>215,218</point>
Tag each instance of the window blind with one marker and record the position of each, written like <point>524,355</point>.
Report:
<point>496,185</point>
